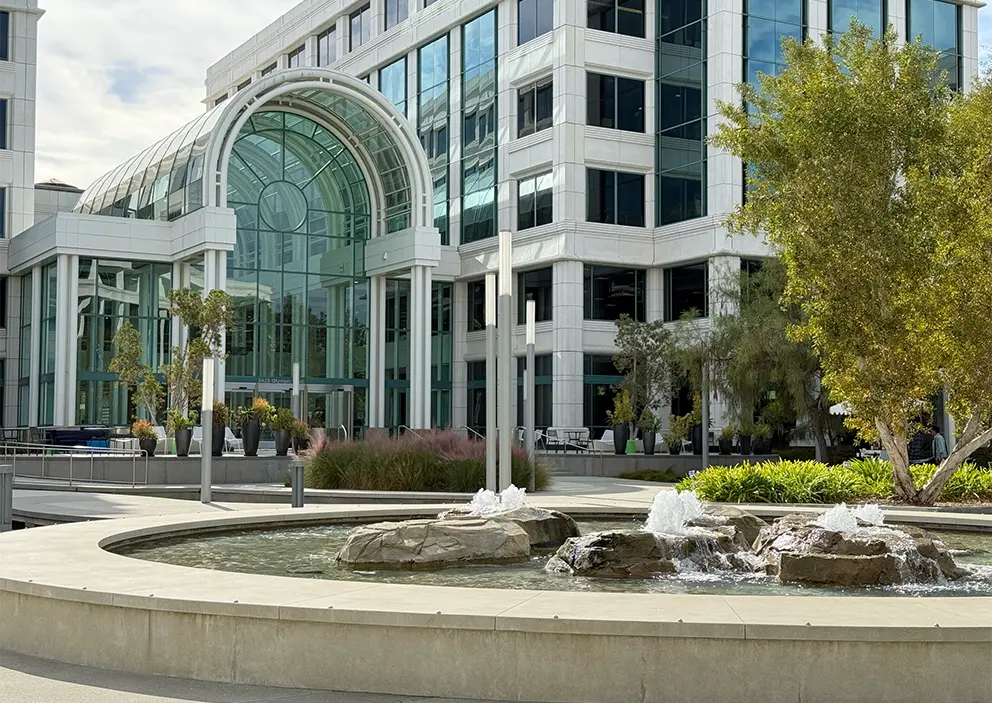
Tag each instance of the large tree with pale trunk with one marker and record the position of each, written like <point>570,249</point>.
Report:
<point>874,181</point>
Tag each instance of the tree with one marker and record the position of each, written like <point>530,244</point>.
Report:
<point>137,377</point>
<point>206,319</point>
<point>868,181</point>
<point>644,358</point>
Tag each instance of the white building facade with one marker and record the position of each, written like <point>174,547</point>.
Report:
<point>579,125</point>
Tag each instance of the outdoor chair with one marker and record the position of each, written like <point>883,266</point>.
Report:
<point>196,443</point>
<point>161,446</point>
<point>232,443</point>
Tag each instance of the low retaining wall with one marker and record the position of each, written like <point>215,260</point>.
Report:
<point>612,465</point>
<point>62,597</point>
<point>163,471</point>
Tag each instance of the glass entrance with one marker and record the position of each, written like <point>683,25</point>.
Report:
<point>339,409</point>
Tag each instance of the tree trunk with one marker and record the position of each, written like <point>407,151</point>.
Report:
<point>929,494</point>
<point>819,431</point>
<point>898,450</point>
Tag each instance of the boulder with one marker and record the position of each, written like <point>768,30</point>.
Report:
<point>800,551</point>
<point>747,525</point>
<point>426,543</point>
<point>547,529</point>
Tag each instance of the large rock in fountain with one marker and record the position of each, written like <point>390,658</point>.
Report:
<point>799,550</point>
<point>748,526</point>
<point>547,529</point>
<point>425,543</point>
<point>642,554</point>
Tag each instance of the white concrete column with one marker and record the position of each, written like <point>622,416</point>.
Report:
<point>420,338</point>
<point>72,339</point>
<point>61,342</point>
<point>220,373</point>
<point>459,347</point>
<point>412,85</point>
<point>969,49</point>
<point>724,71</point>
<point>311,53</point>
<point>177,325</point>
<point>426,312</point>
<point>34,377</point>
<point>342,35</point>
<point>654,305</point>
<point>377,352</point>
<point>568,371</point>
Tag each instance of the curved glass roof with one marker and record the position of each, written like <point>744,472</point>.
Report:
<point>165,181</point>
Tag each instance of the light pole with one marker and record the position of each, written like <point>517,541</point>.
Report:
<point>207,421</point>
<point>506,378</point>
<point>529,388</point>
<point>296,390</point>
<point>706,416</point>
<point>492,482</point>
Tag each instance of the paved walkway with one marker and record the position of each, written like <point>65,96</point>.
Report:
<point>29,680</point>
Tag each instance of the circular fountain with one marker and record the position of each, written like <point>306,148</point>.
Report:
<point>66,595</point>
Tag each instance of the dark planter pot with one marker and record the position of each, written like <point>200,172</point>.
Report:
<point>217,440</point>
<point>649,440</point>
<point>746,445</point>
<point>148,446</point>
<point>301,445</point>
<point>762,446</point>
<point>183,438</point>
<point>282,442</point>
<point>620,439</point>
<point>675,449</point>
<point>251,432</point>
<point>726,447</point>
<point>697,440</point>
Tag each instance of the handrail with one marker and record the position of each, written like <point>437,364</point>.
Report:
<point>42,451</point>
<point>411,431</point>
<point>341,428</point>
<point>476,433</point>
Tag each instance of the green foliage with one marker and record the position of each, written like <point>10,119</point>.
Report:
<point>648,422</point>
<point>729,432</point>
<point>643,356</point>
<point>260,409</point>
<point>666,476</point>
<point>761,431</point>
<point>283,419</point>
<point>678,430</point>
<point>221,416</point>
<point>179,421</point>
<point>299,430</point>
<point>137,377</point>
<point>812,482</point>
<point>441,462</point>
<point>623,411</point>
<point>142,429</point>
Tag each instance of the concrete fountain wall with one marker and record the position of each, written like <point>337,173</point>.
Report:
<point>64,597</point>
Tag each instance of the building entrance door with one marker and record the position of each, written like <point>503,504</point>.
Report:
<point>338,408</point>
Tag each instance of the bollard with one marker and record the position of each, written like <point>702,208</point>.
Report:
<point>296,468</point>
<point>6,498</point>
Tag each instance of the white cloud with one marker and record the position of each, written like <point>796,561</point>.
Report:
<point>115,76</point>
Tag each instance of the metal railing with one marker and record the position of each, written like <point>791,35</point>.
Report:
<point>405,428</point>
<point>341,428</point>
<point>476,433</point>
<point>10,451</point>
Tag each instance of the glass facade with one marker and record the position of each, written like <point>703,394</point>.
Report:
<point>297,57</point>
<point>680,192</point>
<point>615,198</point>
<point>49,293</point>
<point>395,12</point>
<point>618,16</point>
<point>4,36</point>
<point>534,19</point>
<point>432,124</point>
<point>871,13</point>
<point>600,379</point>
<point>477,305</point>
<point>767,23</point>
<point>327,47</point>
<point>609,292</point>
<point>397,352</point>
<point>614,102</point>
<point>3,213</point>
<point>442,346</point>
<point>476,396</point>
<point>361,27</point>
<point>535,108</point>
<point>536,285</point>
<point>479,128</point>
<point>23,390</point>
<point>392,84</point>
<point>535,201</point>
<point>3,123</point>
<point>543,391</point>
<point>686,290</point>
<point>939,25</point>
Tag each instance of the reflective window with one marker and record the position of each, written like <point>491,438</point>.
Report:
<point>535,108</point>
<point>686,289</point>
<point>4,36</point>
<point>3,213</point>
<point>220,99</point>
<point>297,57</point>
<point>361,27</point>
<point>939,24</point>
<point>609,292</point>
<point>244,84</point>
<point>535,201</point>
<point>269,69</point>
<point>327,47</point>
<point>543,391</point>
<point>870,13</point>
<point>534,18</point>
<point>537,286</point>
<point>680,186</point>
<point>429,2</point>
<point>614,197</point>
<point>619,16</point>
<point>395,12</point>
<point>3,302</point>
<point>432,123</point>
<point>614,103</point>
<point>477,305</point>
<point>441,354</point>
<point>476,396</point>
<point>767,24</point>
<point>479,128</point>
<point>392,83</point>
<point>600,379</point>
<point>3,123</point>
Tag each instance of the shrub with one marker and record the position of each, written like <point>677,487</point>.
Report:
<point>178,421</point>
<point>142,429</point>
<point>222,414</point>
<point>666,476</point>
<point>812,482</point>
<point>437,461</point>
<point>283,419</point>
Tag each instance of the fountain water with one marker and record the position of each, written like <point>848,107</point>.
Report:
<point>841,518</point>
<point>671,511</point>
<point>487,502</point>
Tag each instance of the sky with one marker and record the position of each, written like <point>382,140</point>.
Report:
<point>115,76</point>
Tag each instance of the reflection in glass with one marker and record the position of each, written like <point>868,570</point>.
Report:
<point>534,19</point>
<point>392,83</point>
<point>939,25</point>
<point>432,123</point>
<point>686,289</point>
<point>535,201</point>
<point>479,131</point>
<point>610,292</point>
<point>537,286</point>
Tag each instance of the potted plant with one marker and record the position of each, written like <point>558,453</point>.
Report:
<point>144,432</point>
<point>762,438</point>
<point>694,425</point>
<point>218,426</point>
<point>744,438</point>
<point>252,419</point>
<point>726,441</point>
<point>648,424</point>
<point>621,417</point>
<point>282,426</point>
<point>677,433</point>
<point>182,429</point>
<point>300,432</point>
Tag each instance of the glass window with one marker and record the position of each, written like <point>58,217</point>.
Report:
<point>870,13</point>
<point>361,27</point>
<point>297,57</point>
<point>479,91</point>
<point>4,36</point>
<point>686,289</point>
<point>535,18</point>
<point>477,305</point>
<point>219,100</point>
<point>327,47</point>
<point>535,201</point>
<point>615,103</point>
<point>396,12</point>
<point>680,185</point>
<point>3,123</point>
<point>609,292</point>
<point>433,113</point>
<point>244,84</point>
<point>3,213</point>
<point>269,69</point>
<point>3,302</point>
<point>537,286</point>
<point>614,197</point>
<point>939,25</point>
<point>618,16</point>
<point>600,378</point>
<point>392,83</point>
<point>543,391</point>
<point>535,105</point>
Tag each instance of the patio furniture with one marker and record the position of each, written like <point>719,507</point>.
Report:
<point>232,443</point>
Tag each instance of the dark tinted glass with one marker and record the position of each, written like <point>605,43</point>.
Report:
<point>602,15</point>
<point>600,196</point>
<point>630,199</point>
<point>4,36</point>
<point>535,18</point>
<point>396,12</point>
<point>536,286</point>
<point>610,292</point>
<point>600,100</point>
<point>685,290</point>
<point>545,105</point>
<point>630,105</point>
<point>630,17</point>
<point>477,307</point>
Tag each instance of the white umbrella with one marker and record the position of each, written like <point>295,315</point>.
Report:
<point>841,409</point>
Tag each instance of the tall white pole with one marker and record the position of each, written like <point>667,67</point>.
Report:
<point>507,377</point>
<point>206,420</point>
<point>529,389</point>
<point>296,390</point>
<point>492,481</point>
<point>706,415</point>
